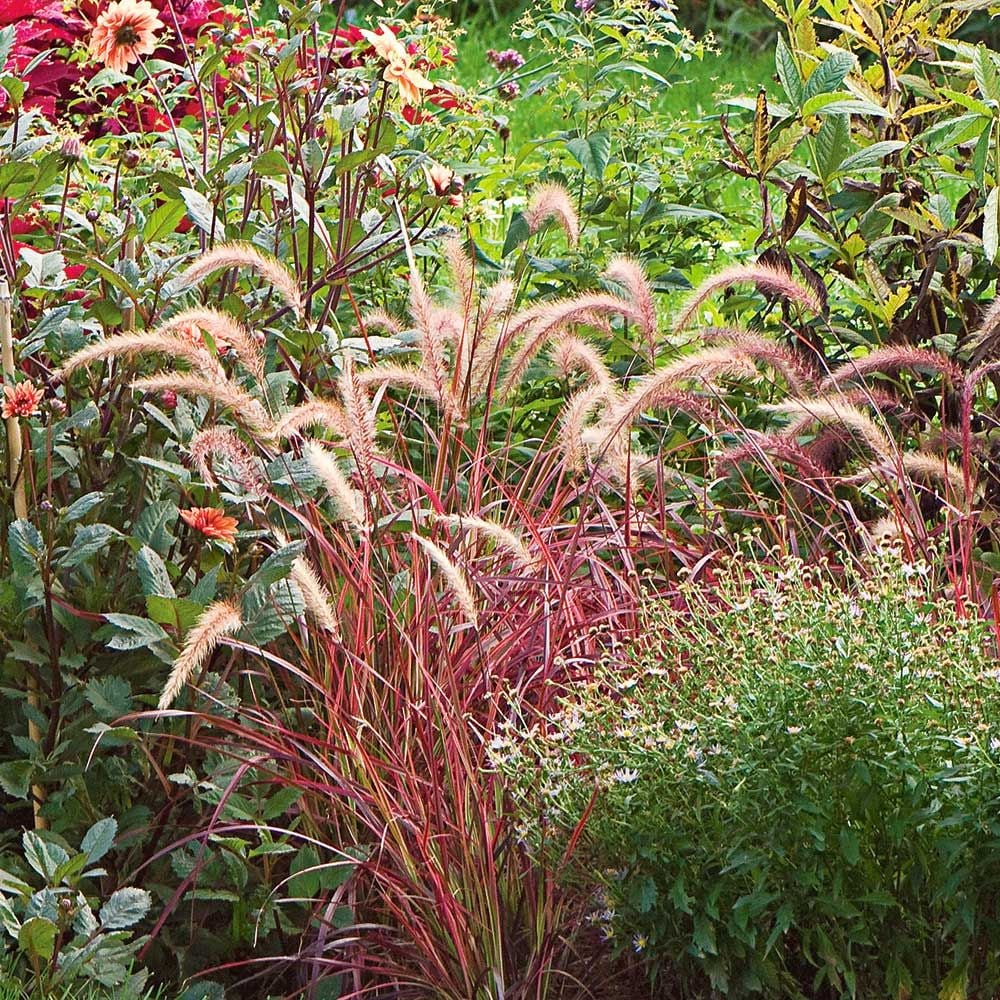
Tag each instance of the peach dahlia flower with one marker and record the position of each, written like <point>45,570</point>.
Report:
<point>125,31</point>
<point>212,523</point>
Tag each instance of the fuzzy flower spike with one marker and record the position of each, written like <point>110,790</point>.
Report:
<point>125,32</point>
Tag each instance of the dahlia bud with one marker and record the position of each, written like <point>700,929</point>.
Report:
<point>131,158</point>
<point>168,399</point>
<point>92,215</point>
<point>71,150</point>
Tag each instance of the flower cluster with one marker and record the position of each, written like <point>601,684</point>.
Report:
<point>505,60</point>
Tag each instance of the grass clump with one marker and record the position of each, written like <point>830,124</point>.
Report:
<point>792,782</point>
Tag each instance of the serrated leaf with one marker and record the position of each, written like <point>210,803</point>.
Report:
<point>850,846</point>
<point>591,152</point>
<point>828,75</point>
<point>153,574</point>
<point>133,632</point>
<point>163,221</point>
<point>43,856</point>
<point>985,71</point>
<point>26,545</point>
<point>88,541</point>
<point>124,908</point>
<point>788,72</point>
<point>98,840</point>
<point>82,506</point>
<point>110,696</point>
<point>199,209</point>
<point>15,778</point>
<point>276,566</point>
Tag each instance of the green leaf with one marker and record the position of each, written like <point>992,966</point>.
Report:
<point>110,696</point>
<point>276,566</point>
<point>788,73</point>
<point>133,632</point>
<point>850,846</point>
<point>88,541</point>
<point>37,938</point>
<point>43,856</point>
<point>153,574</point>
<point>98,840</point>
<point>271,164</point>
<point>26,546</point>
<point>124,908</point>
<point>991,225</point>
<point>163,221</point>
<point>841,103</point>
<point>832,142</point>
<point>827,76</point>
<point>985,71</point>
<point>591,152</point>
<point>15,778</point>
<point>871,156</point>
<point>199,210</point>
<point>704,935</point>
<point>82,506</point>
<point>517,233</point>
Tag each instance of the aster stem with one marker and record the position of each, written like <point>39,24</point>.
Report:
<point>15,471</point>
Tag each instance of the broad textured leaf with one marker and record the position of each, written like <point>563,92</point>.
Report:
<point>871,156</point>
<point>163,221</point>
<point>98,840</point>
<point>15,778</point>
<point>124,908</point>
<point>788,73</point>
<point>133,632</point>
<point>44,857</point>
<point>153,574</point>
<point>517,233</point>
<point>985,70</point>
<point>591,152</point>
<point>37,938</point>
<point>199,210</point>
<point>26,545</point>
<point>276,566</point>
<point>88,541</point>
<point>110,696</point>
<point>828,75</point>
<point>832,143</point>
<point>82,506</point>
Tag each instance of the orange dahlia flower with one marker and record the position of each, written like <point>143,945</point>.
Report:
<point>124,32</point>
<point>21,400</point>
<point>211,523</point>
<point>409,80</point>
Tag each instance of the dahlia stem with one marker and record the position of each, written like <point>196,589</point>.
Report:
<point>15,472</point>
<point>128,311</point>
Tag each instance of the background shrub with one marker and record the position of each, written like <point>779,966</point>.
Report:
<point>796,787</point>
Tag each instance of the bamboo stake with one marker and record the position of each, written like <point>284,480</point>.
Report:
<point>15,473</point>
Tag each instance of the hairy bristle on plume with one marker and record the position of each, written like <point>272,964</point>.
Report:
<point>659,389</point>
<point>133,345</point>
<point>457,583</point>
<point>379,319</point>
<point>315,596</point>
<point>346,501</point>
<point>630,275</point>
<point>323,413</point>
<point>360,423</point>
<point>888,361</point>
<point>217,620</point>
<point>245,409</point>
<point>918,466</point>
<point>552,201</point>
<point>543,321</point>
<point>574,354</point>
<point>786,362</point>
<point>222,442</point>
<point>835,411</point>
<point>573,420</point>
<point>224,330</point>
<point>241,256</point>
<point>772,280</point>
<point>463,274</point>
<point>505,539</point>
<point>759,447</point>
<point>987,335</point>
